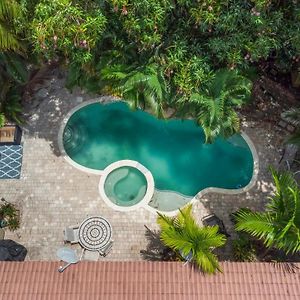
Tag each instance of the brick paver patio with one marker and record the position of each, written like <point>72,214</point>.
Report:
<point>52,194</point>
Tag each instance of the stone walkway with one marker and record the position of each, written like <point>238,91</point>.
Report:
<point>52,194</point>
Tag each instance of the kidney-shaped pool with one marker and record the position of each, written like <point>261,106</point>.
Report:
<point>174,151</point>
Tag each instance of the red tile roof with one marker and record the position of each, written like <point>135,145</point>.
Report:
<point>146,280</point>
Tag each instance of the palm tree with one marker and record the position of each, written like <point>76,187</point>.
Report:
<point>13,75</point>
<point>185,236</point>
<point>293,116</point>
<point>9,11</point>
<point>279,225</point>
<point>10,65</point>
<point>213,106</point>
<point>142,86</point>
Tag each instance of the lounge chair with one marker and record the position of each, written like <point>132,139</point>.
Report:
<point>10,135</point>
<point>212,220</point>
<point>288,157</point>
<point>90,255</point>
<point>104,251</point>
<point>71,234</point>
<point>95,255</point>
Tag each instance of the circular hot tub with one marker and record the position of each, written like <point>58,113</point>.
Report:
<point>126,185</point>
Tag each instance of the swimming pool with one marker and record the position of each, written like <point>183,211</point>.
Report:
<point>97,135</point>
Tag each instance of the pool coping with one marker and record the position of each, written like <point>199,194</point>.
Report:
<point>197,197</point>
<point>65,120</point>
<point>127,163</point>
<point>250,185</point>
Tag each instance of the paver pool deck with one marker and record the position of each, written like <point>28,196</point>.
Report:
<point>52,194</point>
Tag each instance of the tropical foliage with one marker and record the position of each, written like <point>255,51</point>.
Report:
<point>12,72</point>
<point>140,86</point>
<point>243,248</point>
<point>13,75</point>
<point>185,236</point>
<point>279,225</point>
<point>160,53</point>
<point>213,106</point>
<point>59,27</point>
<point>9,12</point>
<point>293,116</point>
<point>9,215</point>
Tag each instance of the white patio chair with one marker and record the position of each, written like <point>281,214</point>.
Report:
<point>89,255</point>
<point>104,251</point>
<point>95,255</point>
<point>71,234</point>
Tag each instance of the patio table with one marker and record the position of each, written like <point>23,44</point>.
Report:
<point>94,233</point>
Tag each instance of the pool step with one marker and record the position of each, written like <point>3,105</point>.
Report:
<point>74,138</point>
<point>115,177</point>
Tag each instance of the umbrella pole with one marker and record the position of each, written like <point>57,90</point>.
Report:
<point>62,268</point>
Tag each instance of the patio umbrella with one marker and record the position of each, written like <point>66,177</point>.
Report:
<point>67,255</point>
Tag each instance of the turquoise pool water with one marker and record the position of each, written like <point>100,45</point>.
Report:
<point>173,150</point>
<point>125,186</point>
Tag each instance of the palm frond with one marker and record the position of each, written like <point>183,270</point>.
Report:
<point>9,9</point>
<point>8,40</point>
<point>292,214</point>
<point>213,106</point>
<point>279,225</point>
<point>15,67</point>
<point>140,86</point>
<point>116,72</point>
<point>2,119</point>
<point>183,234</point>
<point>257,224</point>
<point>283,201</point>
<point>208,262</point>
<point>293,116</point>
<point>294,138</point>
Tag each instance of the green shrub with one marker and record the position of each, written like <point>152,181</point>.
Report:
<point>243,249</point>
<point>61,27</point>
<point>9,215</point>
<point>188,41</point>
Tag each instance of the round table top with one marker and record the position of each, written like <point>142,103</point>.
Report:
<point>94,233</point>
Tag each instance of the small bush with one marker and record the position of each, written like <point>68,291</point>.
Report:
<point>243,249</point>
<point>10,215</point>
